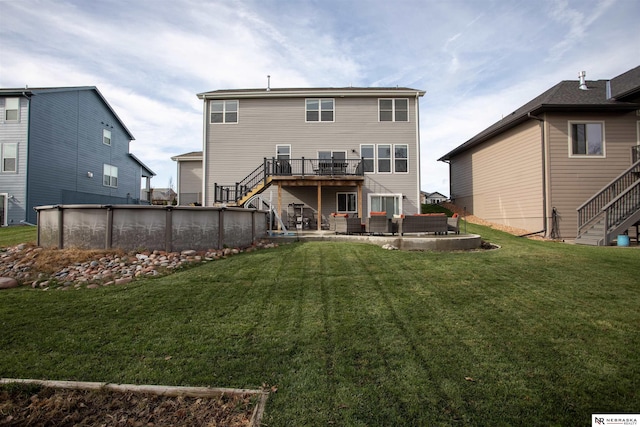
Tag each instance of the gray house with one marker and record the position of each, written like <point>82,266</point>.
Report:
<point>189,178</point>
<point>63,146</point>
<point>313,151</point>
<point>564,165</point>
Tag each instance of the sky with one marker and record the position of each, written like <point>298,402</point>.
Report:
<point>477,60</point>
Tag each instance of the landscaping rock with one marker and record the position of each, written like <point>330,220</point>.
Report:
<point>8,283</point>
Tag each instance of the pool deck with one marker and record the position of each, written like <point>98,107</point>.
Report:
<point>408,242</point>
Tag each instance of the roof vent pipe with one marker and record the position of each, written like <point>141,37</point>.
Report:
<point>583,83</point>
<point>268,83</point>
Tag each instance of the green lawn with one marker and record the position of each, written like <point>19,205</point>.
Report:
<point>10,236</point>
<point>536,333</point>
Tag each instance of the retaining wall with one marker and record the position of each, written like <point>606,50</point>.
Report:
<point>168,228</point>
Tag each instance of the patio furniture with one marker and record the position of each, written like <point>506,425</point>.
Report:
<point>342,224</point>
<point>453,224</point>
<point>378,223</point>
<point>423,223</point>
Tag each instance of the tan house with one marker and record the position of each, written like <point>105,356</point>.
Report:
<point>313,151</point>
<point>189,180</point>
<point>564,165</point>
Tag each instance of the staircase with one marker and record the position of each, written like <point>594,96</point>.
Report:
<point>613,210</point>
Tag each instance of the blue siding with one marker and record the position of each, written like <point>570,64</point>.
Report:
<point>66,144</point>
<point>14,184</point>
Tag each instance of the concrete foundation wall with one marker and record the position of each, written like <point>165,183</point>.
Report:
<point>133,227</point>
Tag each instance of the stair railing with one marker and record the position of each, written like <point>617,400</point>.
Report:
<point>592,208</point>
<point>620,208</point>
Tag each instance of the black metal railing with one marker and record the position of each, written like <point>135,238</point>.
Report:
<point>287,167</point>
<point>635,153</point>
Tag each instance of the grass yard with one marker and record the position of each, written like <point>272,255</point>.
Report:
<point>536,333</point>
<point>11,236</point>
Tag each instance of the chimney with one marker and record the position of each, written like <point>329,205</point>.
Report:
<point>583,83</point>
<point>268,83</point>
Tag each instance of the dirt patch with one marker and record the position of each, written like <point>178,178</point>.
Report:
<point>472,219</point>
<point>33,405</point>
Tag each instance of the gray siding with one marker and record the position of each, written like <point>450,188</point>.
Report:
<point>66,145</point>
<point>234,150</point>
<point>190,181</point>
<point>501,180</point>
<point>14,184</point>
<point>574,180</point>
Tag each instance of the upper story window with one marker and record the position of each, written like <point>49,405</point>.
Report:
<point>394,110</point>
<point>224,111</point>
<point>384,158</point>
<point>106,137</point>
<point>586,139</point>
<point>401,158</point>
<point>319,110</point>
<point>367,153</point>
<point>110,176</point>
<point>11,109</point>
<point>9,158</point>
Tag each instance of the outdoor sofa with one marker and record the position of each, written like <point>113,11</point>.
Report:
<point>378,223</point>
<point>342,224</point>
<point>423,223</point>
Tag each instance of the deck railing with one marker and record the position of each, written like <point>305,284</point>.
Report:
<point>299,168</point>
<point>635,153</point>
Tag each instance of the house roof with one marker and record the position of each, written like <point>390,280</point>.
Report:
<point>28,92</point>
<point>601,95</point>
<point>306,92</point>
<point>193,155</point>
<point>146,172</point>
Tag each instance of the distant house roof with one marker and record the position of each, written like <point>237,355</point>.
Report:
<point>566,95</point>
<point>436,195</point>
<point>28,92</point>
<point>193,155</point>
<point>301,92</point>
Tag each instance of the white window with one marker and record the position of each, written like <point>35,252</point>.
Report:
<point>586,139</point>
<point>347,202</point>
<point>393,110</point>
<point>9,158</point>
<point>224,111</point>
<point>367,153</point>
<point>401,158</point>
<point>110,176</point>
<point>319,110</point>
<point>389,203</point>
<point>11,109</point>
<point>106,137</point>
<point>384,158</point>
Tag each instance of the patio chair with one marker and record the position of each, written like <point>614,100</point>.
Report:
<point>453,224</point>
<point>378,223</point>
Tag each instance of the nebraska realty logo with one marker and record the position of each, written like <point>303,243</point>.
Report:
<point>615,420</point>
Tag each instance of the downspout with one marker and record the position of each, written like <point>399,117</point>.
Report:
<point>204,152</point>
<point>26,172</point>
<point>418,150</point>
<point>544,178</point>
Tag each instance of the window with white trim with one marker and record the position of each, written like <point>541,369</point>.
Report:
<point>9,158</point>
<point>393,110</point>
<point>384,158</point>
<point>347,202</point>
<point>110,176</point>
<point>106,137</point>
<point>368,155</point>
<point>223,111</point>
<point>586,139</point>
<point>319,110</point>
<point>11,109</point>
<point>401,158</point>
